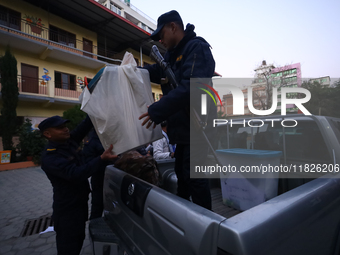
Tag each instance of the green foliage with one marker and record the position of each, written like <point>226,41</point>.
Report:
<point>337,84</point>
<point>31,142</point>
<point>221,115</point>
<point>335,95</point>
<point>324,100</point>
<point>75,115</point>
<point>9,94</point>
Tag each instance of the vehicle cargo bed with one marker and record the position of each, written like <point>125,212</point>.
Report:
<point>218,206</point>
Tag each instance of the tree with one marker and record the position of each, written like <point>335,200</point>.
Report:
<point>31,142</point>
<point>9,94</point>
<point>267,80</point>
<point>336,84</point>
<point>324,100</point>
<point>221,115</point>
<point>335,99</point>
<point>75,116</point>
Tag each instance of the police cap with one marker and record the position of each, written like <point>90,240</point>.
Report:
<point>164,19</point>
<point>54,121</point>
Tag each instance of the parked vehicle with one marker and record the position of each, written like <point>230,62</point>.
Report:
<point>304,218</point>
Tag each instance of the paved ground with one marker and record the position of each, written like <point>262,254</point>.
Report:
<point>26,194</point>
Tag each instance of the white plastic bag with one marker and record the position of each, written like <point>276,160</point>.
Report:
<point>121,95</point>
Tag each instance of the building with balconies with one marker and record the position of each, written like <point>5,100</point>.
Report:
<point>61,44</point>
<point>268,77</point>
<point>324,81</point>
<point>257,101</point>
<point>130,12</point>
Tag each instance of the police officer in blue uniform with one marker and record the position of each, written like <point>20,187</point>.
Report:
<point>64,166</point>
<point>92,149</point>
<point>189,56</point>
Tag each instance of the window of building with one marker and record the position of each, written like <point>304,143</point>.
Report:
<point>65,81</point>
<point>324,80</point>
<point>10,18</point>
<point>276,74</point>
<point>116,9</point>
<point>62,36</point>
<point>87,46</point>
<point>289,72</point>
<point>299,140</point>
<point>276,82</point>
<point>291,79</point>
<point>150,30</point>
<point>293,86</point>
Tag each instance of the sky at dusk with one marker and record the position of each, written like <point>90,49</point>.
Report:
<point>243,33</point>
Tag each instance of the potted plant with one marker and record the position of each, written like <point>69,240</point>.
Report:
<point>35,23</point>
<point>31,143</point>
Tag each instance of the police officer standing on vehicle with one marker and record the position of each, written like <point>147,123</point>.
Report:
<point>189,56</point>
<point>65,168</point>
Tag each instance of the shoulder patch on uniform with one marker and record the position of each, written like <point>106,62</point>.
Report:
<point>51,149</point>
<point>179,58</point>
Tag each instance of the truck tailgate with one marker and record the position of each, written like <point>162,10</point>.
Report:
<point>153,221</point>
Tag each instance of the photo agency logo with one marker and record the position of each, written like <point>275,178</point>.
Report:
<point>204,97</point>
<point>238,102</point>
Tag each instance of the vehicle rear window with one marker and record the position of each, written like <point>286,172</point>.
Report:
<point>335,124</point>
<point>304,142</point>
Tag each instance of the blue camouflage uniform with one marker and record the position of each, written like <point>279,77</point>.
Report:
<point>191,58</point>
<point>65,168</point>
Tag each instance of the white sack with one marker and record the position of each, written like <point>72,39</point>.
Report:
<point>121,95</point>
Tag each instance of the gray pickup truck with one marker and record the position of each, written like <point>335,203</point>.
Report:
<point>304,218</point>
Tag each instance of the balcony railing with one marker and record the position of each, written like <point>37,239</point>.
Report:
<point>32,85</point>
<point>54,38</point>
<point>29,85</point>
<point>138,11</point>
<point>58,92</point>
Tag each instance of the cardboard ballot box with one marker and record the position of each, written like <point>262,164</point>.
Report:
<point>252,179</point>
<point>5,157</point>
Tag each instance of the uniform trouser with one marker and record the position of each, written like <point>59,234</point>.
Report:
<point>198,189</point>
<point>70,229</point>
